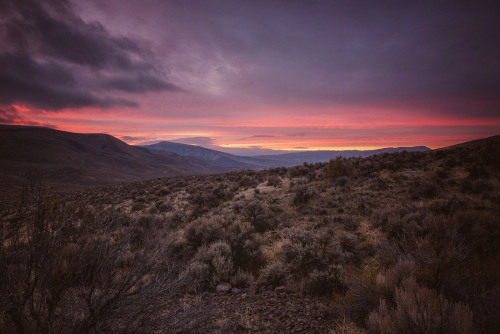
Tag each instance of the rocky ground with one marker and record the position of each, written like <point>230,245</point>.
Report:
<point>268,310</point>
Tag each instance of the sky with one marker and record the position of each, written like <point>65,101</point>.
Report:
<point>252,77</point>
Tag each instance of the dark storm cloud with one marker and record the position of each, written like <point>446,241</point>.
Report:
<point>345,52</point>
<point>48,86</point>
<point>441,56</point>
<point>140,84</point>
<point>52,59</point>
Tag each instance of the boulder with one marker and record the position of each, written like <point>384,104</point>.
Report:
<point>223,288</point>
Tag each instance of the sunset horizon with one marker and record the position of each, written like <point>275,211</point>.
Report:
<point>254,77</point>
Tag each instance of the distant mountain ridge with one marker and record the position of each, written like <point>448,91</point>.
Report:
<point>218,157</point>
<point>268,161</point>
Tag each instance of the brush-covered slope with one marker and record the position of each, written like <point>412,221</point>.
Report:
<point>394,243</point>
<point>269,161</point>
<point>298,158</point>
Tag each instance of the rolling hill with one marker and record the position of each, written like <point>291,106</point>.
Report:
<point>77,160</point>
<point>218,157</point>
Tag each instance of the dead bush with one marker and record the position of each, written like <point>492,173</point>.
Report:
<point>420,310</point>
<point>63,273</point>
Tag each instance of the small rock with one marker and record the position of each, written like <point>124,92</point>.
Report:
<point>254,288</point>
<point>236,291</point>
<point>280,289</point>
<point>223,287</point>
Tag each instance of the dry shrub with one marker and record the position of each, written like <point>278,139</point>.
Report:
<point>324,282</point>
<point>258,216</point>
<point>302,195</point>
<point>303,251</point>
<point>62,277</point>
<point>273,274</point>
<point>137,206</point>
<point>245,245</point>
<point>203,231</point>
<point>370,235</point>
<point>392,277</point>
<point>242,279</point>
<point>211,265</point>
<point>362,295</point>
<point>344,326</point>
<point>274,181</point>
<point>420,310</point>
<point>424,189</point>
<point>338,167</point>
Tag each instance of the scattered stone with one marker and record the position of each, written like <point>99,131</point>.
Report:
<point>236,291</point>
<point>254,288</point>
<point>223,288</point>
<point>280,289</point>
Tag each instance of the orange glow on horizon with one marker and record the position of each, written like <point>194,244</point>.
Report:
<point>355,128</point>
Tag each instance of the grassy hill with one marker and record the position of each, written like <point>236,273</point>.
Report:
<point>401,242</point>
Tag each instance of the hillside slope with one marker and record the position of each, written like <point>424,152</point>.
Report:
<point>298,158</point>
<point>337,247</point>
<point>77,159</point>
